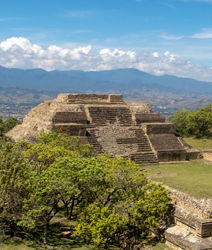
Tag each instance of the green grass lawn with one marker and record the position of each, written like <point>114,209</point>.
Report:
<point>202,144</point>
<point>160,246</point>
<point>193,177</point>
<point>55,241</point>
<point>25,247</point>
<point>14,245</point>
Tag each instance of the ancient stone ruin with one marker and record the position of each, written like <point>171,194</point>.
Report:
<point>111,125</point>
<point>193,222</point>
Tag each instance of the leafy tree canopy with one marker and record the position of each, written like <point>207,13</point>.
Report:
<point>194,123</point>
<point>110,198</point>
<point>7,125</point>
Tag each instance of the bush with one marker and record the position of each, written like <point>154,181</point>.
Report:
<point>7,125</point>
<point>194,123</point>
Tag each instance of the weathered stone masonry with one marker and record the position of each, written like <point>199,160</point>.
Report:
<point>193,222</point>
<point>111,125</point>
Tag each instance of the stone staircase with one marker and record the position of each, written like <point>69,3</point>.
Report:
<point>178,237</point>
<point>193,223</point>
<point>92,139</point>
<point>104,115</point>
<point>142,141</point>
<point>144,158</point>
<point>144,154</point>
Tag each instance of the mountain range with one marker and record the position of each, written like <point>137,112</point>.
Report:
<point>117,80</point>
<point>20,90</point>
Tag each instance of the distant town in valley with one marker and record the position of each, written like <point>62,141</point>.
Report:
<point>15,102</point>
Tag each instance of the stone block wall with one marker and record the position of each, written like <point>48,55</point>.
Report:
<point>193,222</point>
<point>164,141</point>
<point>145,118</point>
<point>89,98</point>
<point>202,208</point>
<point>159,128</point>
<point>72,130</point>
<point>70,117</point>
<point>115,98</point>
<point>103,115</point>
<point>207,155</point>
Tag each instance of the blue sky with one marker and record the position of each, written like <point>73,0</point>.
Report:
<point>157,36</point>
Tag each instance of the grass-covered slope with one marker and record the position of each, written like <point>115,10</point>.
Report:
<point>201,144</point>
<point>194,177</point>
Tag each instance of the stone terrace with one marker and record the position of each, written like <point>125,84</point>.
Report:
<point>193,222</point>
<point>130,130</point>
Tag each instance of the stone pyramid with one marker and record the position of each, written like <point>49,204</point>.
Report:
<point>110,124</point>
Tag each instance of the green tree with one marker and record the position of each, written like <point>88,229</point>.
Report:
<point>1,127</point>
<point>180,120</point>
<point>10,123</point>
<point>51,146</point>
<point>30,193</point>
<point>41,205</point>
<point>200,123</point>
<point>194,123</point>
<point>110,198</point>
<point>65,184</point>
<point>101,224</point>
<point>138,205</point>
<point>14,181</point>
<point>57,159</point>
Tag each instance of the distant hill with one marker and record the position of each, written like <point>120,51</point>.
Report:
<point>20,90</point>
<point>118,80</point>
<point>19,96</point>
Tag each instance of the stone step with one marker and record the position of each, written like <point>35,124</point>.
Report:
<point>110,116</point>
<point>100,115</point>
<point>143,142</point>
<point>146,143</point>
<point>178,237</point>
<point>193,222</point>
<point>144,150</point>
<point>145,157</point>
<point>92,139</point>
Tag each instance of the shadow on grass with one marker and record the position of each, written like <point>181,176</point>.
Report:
<point>35,241</point>
<point>56,240</point>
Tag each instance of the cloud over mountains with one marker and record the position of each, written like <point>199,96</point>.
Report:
<point>19,52</point>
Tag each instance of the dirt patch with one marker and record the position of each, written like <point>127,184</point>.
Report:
<point>164,174</point>
<point>207,162</point>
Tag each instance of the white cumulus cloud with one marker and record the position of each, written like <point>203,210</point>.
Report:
<point>19,52</point>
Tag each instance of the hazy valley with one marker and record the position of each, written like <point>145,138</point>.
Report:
<point>20,90</point>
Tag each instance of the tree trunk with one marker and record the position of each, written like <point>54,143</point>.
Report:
<point>71,209</point>
<point>67,210</point>
<point>45,233</point>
